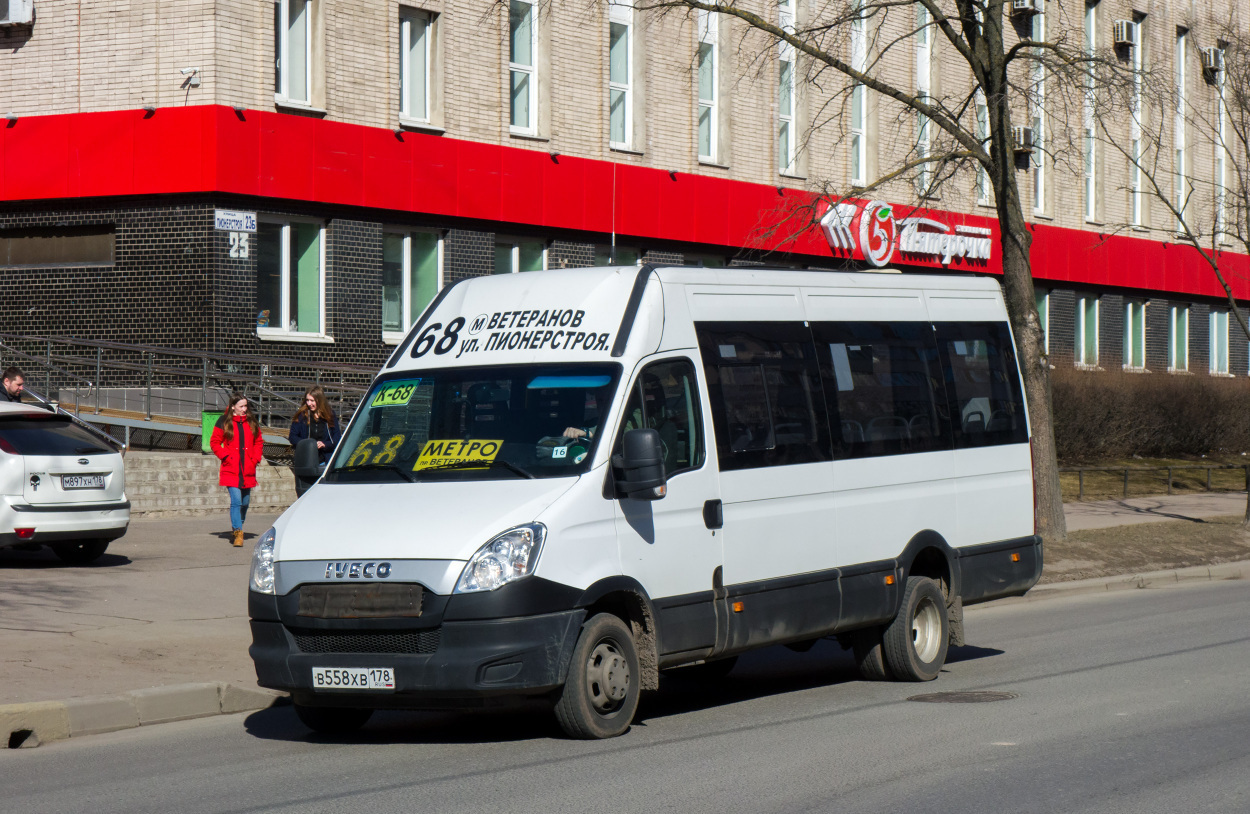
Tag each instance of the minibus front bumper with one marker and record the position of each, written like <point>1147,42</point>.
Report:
<point>442,663</point>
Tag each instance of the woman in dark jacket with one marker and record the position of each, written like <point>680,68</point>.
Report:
<point>316,420</point>
<point>237,442</point>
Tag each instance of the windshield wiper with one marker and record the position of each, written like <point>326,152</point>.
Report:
<point>389,467</point>
<point>511,467</point>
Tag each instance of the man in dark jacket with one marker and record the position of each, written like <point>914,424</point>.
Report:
<point>13,382</point>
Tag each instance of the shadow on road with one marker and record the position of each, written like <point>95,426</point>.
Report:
<point>44,558</point>
<point>970,653</point>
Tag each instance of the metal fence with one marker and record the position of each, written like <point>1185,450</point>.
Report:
<point>1081,470</point>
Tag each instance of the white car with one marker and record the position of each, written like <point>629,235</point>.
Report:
<point>59,485</point>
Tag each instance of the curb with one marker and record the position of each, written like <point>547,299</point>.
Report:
<point>1152,579</point>
<point>28,725</point>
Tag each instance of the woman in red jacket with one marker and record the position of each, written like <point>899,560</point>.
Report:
<point>237,442</point>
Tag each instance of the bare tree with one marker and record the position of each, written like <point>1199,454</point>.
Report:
<point>962,129</point>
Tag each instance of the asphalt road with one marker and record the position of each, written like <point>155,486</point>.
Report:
<point>1128,702</point>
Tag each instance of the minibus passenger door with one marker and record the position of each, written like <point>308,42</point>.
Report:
<point>667,543</point>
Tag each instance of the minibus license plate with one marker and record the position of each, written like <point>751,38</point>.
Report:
<point>353,678</point>
<point>82,481</point>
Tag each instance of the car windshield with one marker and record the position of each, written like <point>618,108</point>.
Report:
<point>483,423</point>
<point>54,435</point>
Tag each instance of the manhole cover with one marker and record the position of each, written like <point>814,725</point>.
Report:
<point>981,697</point>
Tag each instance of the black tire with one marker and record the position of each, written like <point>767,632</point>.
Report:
<point>80,552</point>
<point>600,695</point>
<point>917,640</point>
<point>706,672</point>
<point>869,652</point>
<point>332,720</point>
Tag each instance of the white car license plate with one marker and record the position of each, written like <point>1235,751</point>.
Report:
<point>82,481</point>
<point>353,678</point>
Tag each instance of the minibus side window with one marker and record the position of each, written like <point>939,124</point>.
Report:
<point>665,397</point>
<point>986,402</point>
<point>884,386</point>
<point>766,401</point>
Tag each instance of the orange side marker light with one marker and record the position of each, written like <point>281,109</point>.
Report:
<point>739,607</point>
<point>889,580</point>
<point>1015,557</point>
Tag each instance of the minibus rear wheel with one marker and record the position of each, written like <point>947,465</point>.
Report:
<point>917,639</point>
<point>332,720</point>
<point>869,652</point>
<point>600,695</point>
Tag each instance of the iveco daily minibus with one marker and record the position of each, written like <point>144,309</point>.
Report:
<point>565,482</point>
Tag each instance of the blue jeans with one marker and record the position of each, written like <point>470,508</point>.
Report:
<point>239,498</point>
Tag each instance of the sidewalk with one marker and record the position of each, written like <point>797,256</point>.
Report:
<point>167,607</point>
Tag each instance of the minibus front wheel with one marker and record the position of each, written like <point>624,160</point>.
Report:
<point>600,695</point>
<point>917,640</point>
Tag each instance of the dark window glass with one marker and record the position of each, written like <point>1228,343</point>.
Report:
<point>886,384</point>
<point>665,397</point>
<point>987,405</point>
<point>47,436</point>
<point>57,247</point>
<point>764,386</point>
<point>269,275</point>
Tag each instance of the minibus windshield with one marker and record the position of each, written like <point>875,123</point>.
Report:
<point>481,423</point>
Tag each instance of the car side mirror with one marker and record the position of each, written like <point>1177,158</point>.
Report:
<point>640,466</point>
<point>305,465</point>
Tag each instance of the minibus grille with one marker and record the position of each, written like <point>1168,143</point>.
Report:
<point>338,641</point>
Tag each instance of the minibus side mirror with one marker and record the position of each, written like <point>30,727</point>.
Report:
<point>640,466</point>
<point>305,465</point>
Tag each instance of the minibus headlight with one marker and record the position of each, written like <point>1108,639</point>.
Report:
<point>508,557</point>
<point>262,563</point>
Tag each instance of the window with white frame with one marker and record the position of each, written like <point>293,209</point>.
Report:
<point>416,34</point>
<point>924,89</point>
<point>513,255</point>
<point>1085,348</point>
<point>708,79</point>
<point>522,66</point>
<point>620,75</point>
<point>1136,152</point>
<point>1087,126</point>
<point>859,97</point>
<point>412,273</point>
<point>1037,104</point>
<point>1180,163</point>
<point>1219,342</point>
<point>786,91</point>
<point>290,277</point>
<point>983,136</point>
<point>1134,335</point>
<point>609,255</point>
<point>1219,171</point>
<point>1178,338</point>
<point>293,51</point>
<point>1042,298</point>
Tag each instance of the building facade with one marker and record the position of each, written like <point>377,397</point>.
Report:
<point>300,177</point>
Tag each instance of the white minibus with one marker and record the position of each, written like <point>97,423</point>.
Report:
<point>563,483</point>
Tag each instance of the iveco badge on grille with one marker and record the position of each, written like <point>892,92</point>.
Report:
<point>358,570</point>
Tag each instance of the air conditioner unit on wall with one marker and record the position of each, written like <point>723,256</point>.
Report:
<point>1022,139</point>
<point>1028,6</point>
<point>20,12</point>
<point>1125,32</point>
<point>1213,59</point>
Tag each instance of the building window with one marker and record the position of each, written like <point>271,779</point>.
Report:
<point>1136,153</point>
<point>290,278</point>
<point>522,61</point>
<point>1087,128</point>
<point>519,254</point>
<point>293,50</point>
<point>786,92</point>
<point>1086,346</point>
<point>620,74</point>
<point>1178,338</point>
<point>1180,166</point>
<point>1042,297</point>
<point>859,97</point>
<point>57,247</point>
<point>983,135</point>
<point>1134,335</point>
<point>1221,152</point>
<point>924,89</point>
<point>608,255</point>
<point>416,30</point>
<point>1219,342</point>
<point>1038,119</point>
<point>412,273</point>
<point>709,77</point>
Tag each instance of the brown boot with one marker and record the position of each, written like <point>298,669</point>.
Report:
<point>238,538</point>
